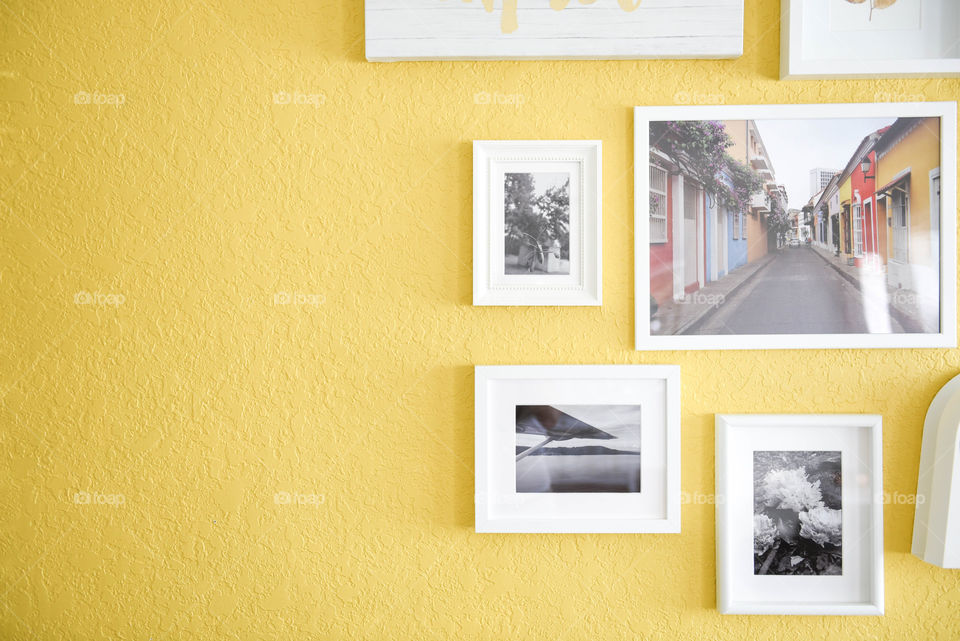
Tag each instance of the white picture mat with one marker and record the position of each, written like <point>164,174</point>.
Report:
<point>821,40</point>
<point>859,590</point>
<point>575,279</point>
<point>947,338</point>
<point>845,17</point>
<point>490,286</point>
<point>500,508</point>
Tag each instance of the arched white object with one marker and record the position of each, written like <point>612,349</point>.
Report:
<point>936,525</point>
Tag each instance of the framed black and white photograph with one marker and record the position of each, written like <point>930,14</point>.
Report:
<point>799,514</point>
<point>537,223</point>
<point>796,226</point>
<point>578,448</point>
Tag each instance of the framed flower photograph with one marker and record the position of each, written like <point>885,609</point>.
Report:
<point>536,223</point>
<point>578,448</point>
<point>796,226</point>
<point>799,514</point>
<point>869,38</point>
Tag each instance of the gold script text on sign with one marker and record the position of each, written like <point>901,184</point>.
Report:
<point>508,22</point>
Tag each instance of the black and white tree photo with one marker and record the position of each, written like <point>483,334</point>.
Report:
<point>536,209</point>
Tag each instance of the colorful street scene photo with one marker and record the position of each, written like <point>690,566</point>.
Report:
<point>536,223</point>
<point>797,513</point>
<point>795,226</point>
<point>578,448</point>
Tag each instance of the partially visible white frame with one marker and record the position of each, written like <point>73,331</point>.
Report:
<point>793,65</point>
<point>936,523</point>
<point>583,286</point>
<point>946,338</point>
<point>814,432</point>
<point>504,511</point>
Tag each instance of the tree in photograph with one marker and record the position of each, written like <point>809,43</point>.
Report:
<point>700,148</point>
<point>745,182</point>
<point>535,221</point>
<point>554,205</point>
<point>518,200</point>
<point>777,221</point>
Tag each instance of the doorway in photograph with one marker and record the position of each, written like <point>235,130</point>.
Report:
<point>578,448</point>
<point>797,513</point>
<point>536,225</point>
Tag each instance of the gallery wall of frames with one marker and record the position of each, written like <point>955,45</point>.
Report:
<point>547,320</point>
<point>757,227</point>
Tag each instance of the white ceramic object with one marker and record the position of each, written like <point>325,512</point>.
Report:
<point>936,526</point>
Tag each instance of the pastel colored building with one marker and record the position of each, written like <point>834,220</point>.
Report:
<point>750,239</point>
<point>677,230</point>
<point>860,228</point>
<point>694,239</point>
<point>907,160</point>
<point>826,207</point>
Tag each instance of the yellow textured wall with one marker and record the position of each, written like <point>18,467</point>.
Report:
<point>151,357</point>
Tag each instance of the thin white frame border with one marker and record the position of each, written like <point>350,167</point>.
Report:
<point>794,67</point>
<point>726,600</point>
<point>946,338</point>
<point>588,153</point>
<point>668,374</point>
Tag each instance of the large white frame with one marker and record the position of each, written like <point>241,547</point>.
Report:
<point>656,508</point>
<point>859,590</point>
<point>454,30</point>
<point>946,338</point>
<point>583,286</point>
<point>865,63</point>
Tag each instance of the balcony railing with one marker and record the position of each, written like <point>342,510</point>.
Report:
<point>760,162</point>
<point>760,202</point>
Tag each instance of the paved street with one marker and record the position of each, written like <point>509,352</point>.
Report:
<point>798,293</point>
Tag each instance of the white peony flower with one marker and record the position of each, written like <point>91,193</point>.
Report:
<point>764,533</point>
<point>790,490</point>
<point>822,525</point>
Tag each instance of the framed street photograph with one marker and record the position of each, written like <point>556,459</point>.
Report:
<point>796,226</point>
<point>578,448</point>
<point>536,222</point>
<point>799,514</point>
<point>869,38</point>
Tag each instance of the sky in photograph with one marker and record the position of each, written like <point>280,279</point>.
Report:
<point>543,180</point>
<point>797,146</point>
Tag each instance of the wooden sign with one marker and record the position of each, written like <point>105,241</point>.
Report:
<point>552,29</point>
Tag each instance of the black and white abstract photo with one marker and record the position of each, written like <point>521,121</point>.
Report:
<point>797,513</point>
<point>536,221</point>
<point>578,448</point>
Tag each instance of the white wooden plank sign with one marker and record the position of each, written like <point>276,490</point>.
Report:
<point>552,29</point>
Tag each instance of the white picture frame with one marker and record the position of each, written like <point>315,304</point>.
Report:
<point>759,459</point>
<point>822,39</point>
<point>572,490</point>
<point>667,337</point>
<point>626,29</point>
<point>508,267</point>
